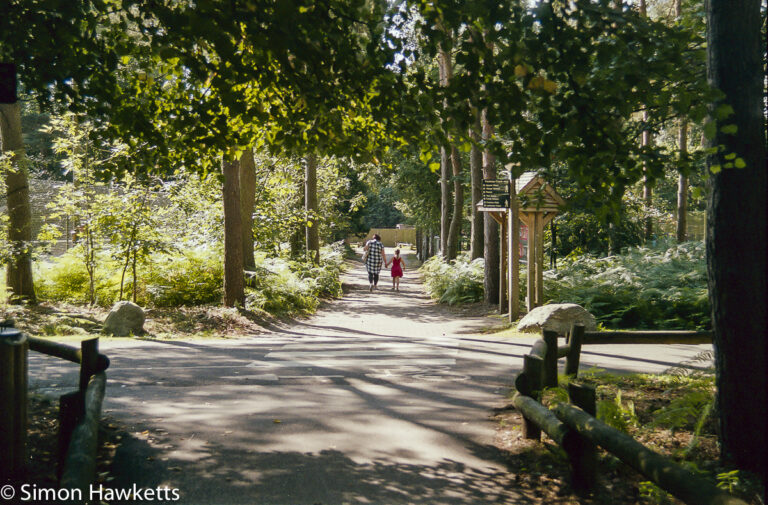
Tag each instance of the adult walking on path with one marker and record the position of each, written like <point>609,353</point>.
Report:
<point>374,259</point>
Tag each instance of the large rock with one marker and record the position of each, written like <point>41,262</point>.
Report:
<point>557,317</point>
<point>125,318</point>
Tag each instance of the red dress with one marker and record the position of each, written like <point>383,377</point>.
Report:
<point>397,269</point>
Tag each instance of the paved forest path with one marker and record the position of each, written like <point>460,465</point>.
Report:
<point>380,398</point>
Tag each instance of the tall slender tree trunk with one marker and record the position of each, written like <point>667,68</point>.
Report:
<point>646,142</point>
<point>682,187</point>
<point>234,282</point>
<point>312,236</point>
<point>737,235</point>
<point>445,199</point>
<point>454,231</point>
<point>682,179</point>
<point>444,62</point>
<point>247,201</point>
<point>18,271</point>
<point>490,226</point>
<point>476,178</point>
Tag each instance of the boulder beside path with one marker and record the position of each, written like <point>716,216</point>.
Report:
<point>557,317</point>
<point>125,319</point>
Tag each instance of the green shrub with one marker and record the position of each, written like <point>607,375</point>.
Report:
<point>283,287</point>
<point>617,413</point>
<point>458,281</point>
<point>65,279</point>
<point>662,287</point>
<point>196,277</point>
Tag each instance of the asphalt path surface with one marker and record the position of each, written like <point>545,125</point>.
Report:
<point>380,398</point>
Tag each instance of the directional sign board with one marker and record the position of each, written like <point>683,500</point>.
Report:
<point>496,193</point>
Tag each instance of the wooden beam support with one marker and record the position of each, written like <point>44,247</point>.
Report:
<point>514,256</point>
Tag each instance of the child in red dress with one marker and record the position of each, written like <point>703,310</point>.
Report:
<point>397,270</point>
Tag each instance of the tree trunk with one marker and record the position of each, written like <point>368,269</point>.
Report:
<point>736,233</point>
<point>247,201</point>
<point>682,187</point>
<point>444,65</point>
<point>19,268</point>
<point>454,232</point>
<point>646,142</point>
<point>310,206</point>
<point>445,199</point>
<point>476,177</point>
<point>234,283</point>
<point>490,226</point>
<point>682,180</point>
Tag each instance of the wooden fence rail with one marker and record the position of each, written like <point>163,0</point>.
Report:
<point>76,409</point>
<point>576,429</point>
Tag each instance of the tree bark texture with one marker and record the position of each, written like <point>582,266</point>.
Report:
<point>234,283</point>
<point>490,226</point>
<point>646,142</point>
<point>682,187</point>
<point>445,199</point>
<point>736,233</point>
<point>247,201</point>
<point>310,206</point>
<point>454,232</point>
<point>476,178</point>
<point>19,268</point>
<point>444,68</point>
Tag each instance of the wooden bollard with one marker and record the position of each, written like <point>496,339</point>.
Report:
<point>13,401</point>
<point>575,340</point>
<point>582,453</point>
<point>550,359</point>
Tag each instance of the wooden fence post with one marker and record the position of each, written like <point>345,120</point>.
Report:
<point>532,370</point>
<point>89,359</point>
<point>583,453</point>
<point>13,401</point>
<point>574,350</point>
<point>72,405</point>
<point>550,359</point>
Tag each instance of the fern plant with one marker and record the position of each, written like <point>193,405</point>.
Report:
<point>454,282</point>
<point>647,287</point>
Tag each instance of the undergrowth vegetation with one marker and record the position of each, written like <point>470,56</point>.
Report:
<point>656,287</point>
<point>193,277</point>
<point>458,281</point>
<point>661,287</point>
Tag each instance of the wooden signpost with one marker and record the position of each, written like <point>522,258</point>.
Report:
<point>534,202</point>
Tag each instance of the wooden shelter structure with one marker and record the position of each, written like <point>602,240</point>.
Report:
<point>535,203</point>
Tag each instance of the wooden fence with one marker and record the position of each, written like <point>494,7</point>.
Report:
<point>576,429</point>
<point>79,411</point>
